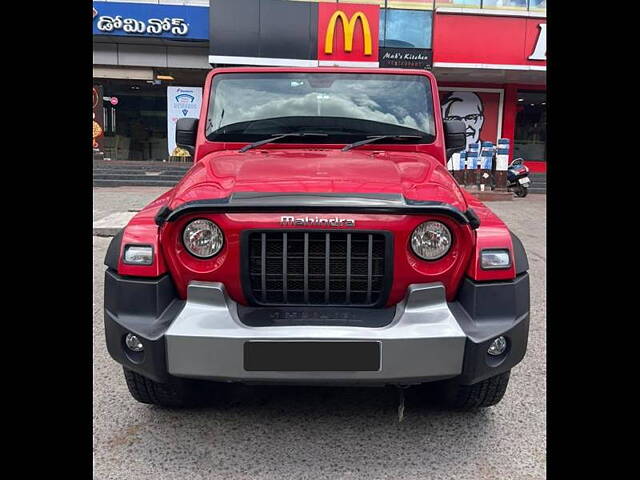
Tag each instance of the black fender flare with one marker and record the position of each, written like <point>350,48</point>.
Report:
<point>520,259</point>
<point>112,257</point>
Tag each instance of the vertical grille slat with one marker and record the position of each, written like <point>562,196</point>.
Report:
<point>263,263</point>
<point>306,268</point>
<point>317,267</point>
<point>369,273</point>
<point>348,293</point>
<point>284,266</point>
<point>327,265</point>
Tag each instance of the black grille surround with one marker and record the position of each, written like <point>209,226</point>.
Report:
<point>335,268</point>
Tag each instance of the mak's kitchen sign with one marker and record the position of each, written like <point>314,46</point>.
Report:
<point>420,58</point>
<point>148,20</point>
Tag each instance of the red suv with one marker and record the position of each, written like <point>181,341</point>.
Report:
<point>317,239</point>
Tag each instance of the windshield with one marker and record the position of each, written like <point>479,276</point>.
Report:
<point>346,106</point>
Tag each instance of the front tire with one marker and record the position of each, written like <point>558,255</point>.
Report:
<point>176,393</point>
<point>483,394</point>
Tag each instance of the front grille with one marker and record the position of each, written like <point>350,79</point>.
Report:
<point>317,268</point>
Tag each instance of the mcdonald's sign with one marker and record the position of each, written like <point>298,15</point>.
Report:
<point>348,34</point>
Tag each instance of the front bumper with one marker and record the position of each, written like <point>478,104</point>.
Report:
<point>426,339</point>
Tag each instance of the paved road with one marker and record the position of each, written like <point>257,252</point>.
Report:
<point>324,433</point>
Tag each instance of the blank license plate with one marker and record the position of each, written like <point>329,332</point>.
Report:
<point>312,356</point>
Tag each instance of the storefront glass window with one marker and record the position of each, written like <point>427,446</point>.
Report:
<point>135,128</point>
<point>134,113</point>
<point>405,28</point>
<point>411,4</point>
<point>531,125</point>
<point>458,3</point>
<point>507,4</point>
<point>495,4</point>
<point>537,4</point>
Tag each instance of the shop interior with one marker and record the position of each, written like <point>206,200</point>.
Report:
<point>135,114</point>
<point>531,126</point>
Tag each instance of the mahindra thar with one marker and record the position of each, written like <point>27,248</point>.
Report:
<point>318,239</point>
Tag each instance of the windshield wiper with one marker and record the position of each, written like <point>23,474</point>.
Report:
<point>278,137</point>
<point>375,138</point>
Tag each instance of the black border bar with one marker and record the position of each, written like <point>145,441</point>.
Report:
<point>256,202</point>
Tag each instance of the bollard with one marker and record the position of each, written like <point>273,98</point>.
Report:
<point>459,167</point>
<point>472,156</point>
<point>451,162</point>
<point>486,162</point>
<point>472,167</point>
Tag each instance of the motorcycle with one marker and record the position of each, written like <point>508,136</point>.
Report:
<point>518,180</point>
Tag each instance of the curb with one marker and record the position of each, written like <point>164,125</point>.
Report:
<point>110,225</point>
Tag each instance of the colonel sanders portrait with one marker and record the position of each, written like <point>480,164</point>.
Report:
<point>466,107</point>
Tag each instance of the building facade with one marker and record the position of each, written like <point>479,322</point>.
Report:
<point>151,57</point>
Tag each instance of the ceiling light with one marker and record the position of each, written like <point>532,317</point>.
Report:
<point>521,99</point>
<point>164,77</point>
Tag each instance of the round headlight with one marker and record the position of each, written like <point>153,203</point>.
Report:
<point>202,238</point>
<point>431,240</point>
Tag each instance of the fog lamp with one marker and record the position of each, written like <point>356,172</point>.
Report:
<point>494,259</point>
<point>133,343</point>
<point>498,346</point>
<point>138,254</point>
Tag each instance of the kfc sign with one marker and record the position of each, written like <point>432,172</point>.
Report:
<point>348,33</point>
<point>499,41</point>
<point>540,50</point>
<point>478,108</point>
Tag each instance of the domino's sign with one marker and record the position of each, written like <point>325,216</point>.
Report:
<point>147,20</point>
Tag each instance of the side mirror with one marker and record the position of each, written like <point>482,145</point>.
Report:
<point>455,138</point>
<point>186,129</point>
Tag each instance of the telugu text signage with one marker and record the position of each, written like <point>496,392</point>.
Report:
<point>164,21</point>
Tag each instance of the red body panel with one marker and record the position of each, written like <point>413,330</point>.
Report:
<point>415,171</point>
<point>142,230</point>
<point>329,170</point>
<point>492,233</point>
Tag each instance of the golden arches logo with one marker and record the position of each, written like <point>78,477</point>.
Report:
<point>349,27</point>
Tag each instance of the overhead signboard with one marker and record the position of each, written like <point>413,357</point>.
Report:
<point>348,34</point>
<point>419,58</point>
<point>147,20</point>
<point>285,33</point>
<point>486,41</point>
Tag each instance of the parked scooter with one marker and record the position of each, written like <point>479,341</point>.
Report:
<point>518,180</point>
